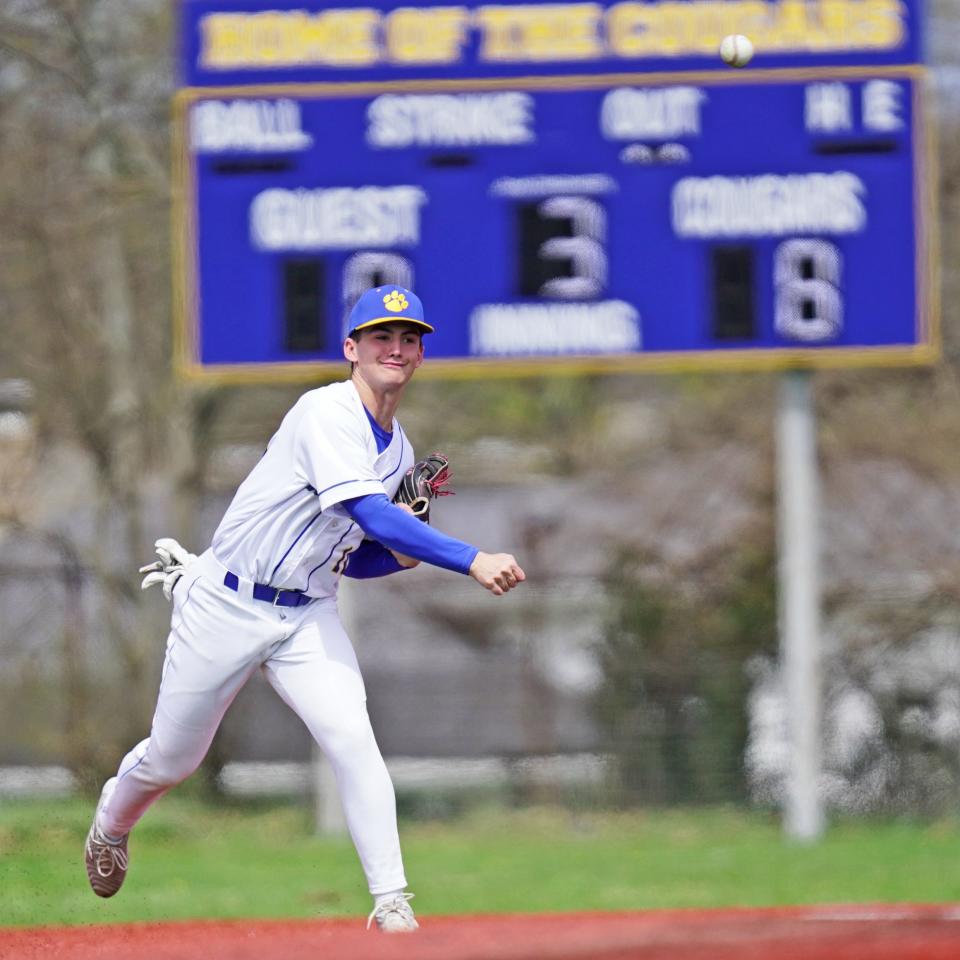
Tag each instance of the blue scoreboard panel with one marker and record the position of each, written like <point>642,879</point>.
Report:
<point>566,186</point>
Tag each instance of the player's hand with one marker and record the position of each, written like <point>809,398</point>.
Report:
<point>498,572</point>
<point>402,558</point>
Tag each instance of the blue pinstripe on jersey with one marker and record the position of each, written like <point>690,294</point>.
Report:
<point>295,542</point>
<point>399,461</point>
<point>328,556</point>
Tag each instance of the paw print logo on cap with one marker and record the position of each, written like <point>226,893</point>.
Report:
<point>395,302</point>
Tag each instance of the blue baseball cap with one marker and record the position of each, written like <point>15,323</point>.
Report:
<point>387,304</point>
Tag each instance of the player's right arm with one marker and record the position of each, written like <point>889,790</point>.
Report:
<point>397,530</point>
<point>498,572</point>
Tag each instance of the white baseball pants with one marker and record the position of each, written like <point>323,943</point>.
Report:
<point>218,638</point>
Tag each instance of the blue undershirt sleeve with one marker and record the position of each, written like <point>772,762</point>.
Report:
<point>371,559</point>
<point>383,521</point>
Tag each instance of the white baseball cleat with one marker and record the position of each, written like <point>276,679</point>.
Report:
<point>106,859</point>
<point>394,915</point>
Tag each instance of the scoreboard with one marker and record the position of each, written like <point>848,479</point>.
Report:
<point>566,186</point>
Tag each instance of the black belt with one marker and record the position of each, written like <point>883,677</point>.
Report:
<point>279,598</point>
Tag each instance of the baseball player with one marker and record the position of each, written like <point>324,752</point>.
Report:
<point>316,506</point>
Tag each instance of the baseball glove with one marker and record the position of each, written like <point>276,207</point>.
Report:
<point>424,481</point>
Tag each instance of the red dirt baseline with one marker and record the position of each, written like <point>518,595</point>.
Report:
<point>849,932</point>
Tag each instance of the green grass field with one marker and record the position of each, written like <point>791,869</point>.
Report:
<point>191,860</point>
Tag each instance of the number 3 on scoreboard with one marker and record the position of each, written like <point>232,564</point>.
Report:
<point>806,276</point>
<point>562,248</point>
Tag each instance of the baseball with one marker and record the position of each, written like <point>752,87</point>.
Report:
<point>736,50</point>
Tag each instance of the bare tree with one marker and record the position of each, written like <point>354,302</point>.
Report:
<point>84,282</point>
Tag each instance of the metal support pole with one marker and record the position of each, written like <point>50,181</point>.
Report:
<point>799,600</point>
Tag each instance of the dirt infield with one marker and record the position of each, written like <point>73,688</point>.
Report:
<point>886,932</point>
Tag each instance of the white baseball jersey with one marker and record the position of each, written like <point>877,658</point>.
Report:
<point>285,526</point>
